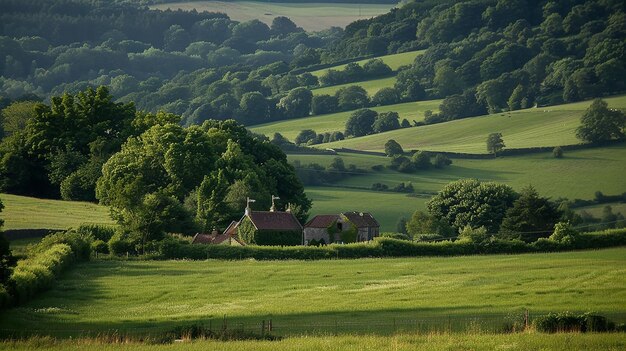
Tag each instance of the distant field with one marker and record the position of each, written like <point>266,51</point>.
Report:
<point>371,86</point>
<point>596,210</point>
<point>544,126</point>
<point>386,207</point>
<point>310,16</point>
<point>578,175</point>
<point>394,61</point>
<point>337,121</point>
<point>21,212</point>
<point>145,296</point>
<point>403,342</point>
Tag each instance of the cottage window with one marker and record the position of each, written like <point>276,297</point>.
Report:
<point>339,226</point>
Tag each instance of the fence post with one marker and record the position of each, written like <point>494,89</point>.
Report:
<point>336,327</point>
<point>271,326</point>
<point>263,327</point>
<point>394,325</point>
<point>224,326</point>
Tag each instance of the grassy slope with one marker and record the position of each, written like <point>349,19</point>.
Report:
<point>337,121</point>
<point>578,175</point>
<point>23,212</point>
<point>371,86</point>
<point>157,295</point>
<point>310,16</point>
<point>546,126</point>
<point>394,61</point>
<point>431,342</point>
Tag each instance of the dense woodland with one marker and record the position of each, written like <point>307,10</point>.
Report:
<point>481,56</point>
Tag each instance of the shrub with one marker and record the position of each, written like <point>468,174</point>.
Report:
<point>78,242</point>
<point>398,236</point>
<point>97,231</point>
<point>121,243</point>
<point>557,152</point>
<point>569,322</point>
<point>99,246</point>
<point>564,233</point>
<point>38,271</point>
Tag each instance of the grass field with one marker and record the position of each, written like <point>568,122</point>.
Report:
<point>21,212</point>
<point>394,61</point>
<point>596,210</point>
<point>152,296</point>
<point>19,247</point>
<point>545,126</point>
<point>337,121</point>
<point>310,16</point>
<point>386,207</point>
<point>578,175</point>
<point>371,86</point>
<point>431,342</point>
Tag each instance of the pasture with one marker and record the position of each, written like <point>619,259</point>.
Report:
<point>21,212</point>
<point>310,16</point>
<point>394,61</point>
<point>371,86</point>
<point>412,342</point>
<point>337,121</point>
<point>578,175</point>
<point>544,126</point>
<point>151,296</point>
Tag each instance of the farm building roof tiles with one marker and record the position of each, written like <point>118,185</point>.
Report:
<point>321,221</point>
<point>361,219</point>
<point>266,220</point>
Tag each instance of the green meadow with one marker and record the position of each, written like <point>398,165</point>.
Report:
<point>21,212</point>
<point>151,296</point>
<point>337,121</point>
<point>394,61</point>
<point>371,86</point>
<point>310,16</point>
<point>543,126</point>
<point>578,175</point>
<point>413,342</point>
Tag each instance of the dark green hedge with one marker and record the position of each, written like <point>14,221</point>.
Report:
<point>45,263</point>
<point>569,322</point>
<point>383,247</point>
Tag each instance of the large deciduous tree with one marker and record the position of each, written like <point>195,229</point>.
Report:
<point>360,122</point>
<point>599,123</point>
<point>216,165</point>
<point>469,202</point>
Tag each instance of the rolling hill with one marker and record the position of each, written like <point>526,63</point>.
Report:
<point>543,126</point>
<point>310,16</point>
<point>578,175</point>
<point>394,61</point>
<point>337,121</point>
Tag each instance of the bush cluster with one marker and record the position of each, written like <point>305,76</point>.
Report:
<point>569,322</point>
<point>45,263</point>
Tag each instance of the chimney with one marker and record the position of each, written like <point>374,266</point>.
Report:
<point>248,209</point>
<point>273,208</point>
<point>288,210</point>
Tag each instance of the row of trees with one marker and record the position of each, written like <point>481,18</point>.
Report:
<point>353,72</point>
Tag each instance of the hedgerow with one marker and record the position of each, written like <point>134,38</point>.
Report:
<point>382,247</point>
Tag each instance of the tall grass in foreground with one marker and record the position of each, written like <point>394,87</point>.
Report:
<point>449,342</point>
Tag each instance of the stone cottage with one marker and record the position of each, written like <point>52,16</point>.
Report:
<point>345,227</point>
<point>269,228</point>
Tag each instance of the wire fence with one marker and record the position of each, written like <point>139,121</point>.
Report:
<point>321,325</point>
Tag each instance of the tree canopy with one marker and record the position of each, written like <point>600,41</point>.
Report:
<point>600,123</point>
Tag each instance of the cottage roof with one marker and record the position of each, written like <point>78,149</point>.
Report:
<point>266,220</point>
<point>321,221</point>
<point>361,219</point>
<point>202,239</point>
<point>232,228</point>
